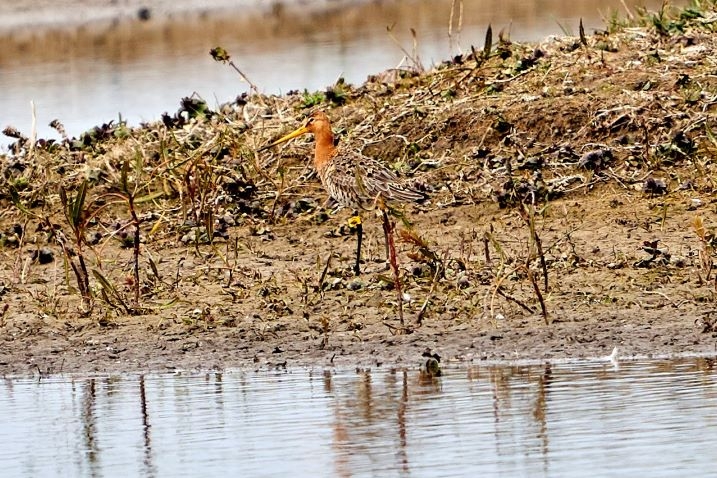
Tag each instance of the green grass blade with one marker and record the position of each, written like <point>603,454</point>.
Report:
<point>488,45</point>
<point>78,205</point>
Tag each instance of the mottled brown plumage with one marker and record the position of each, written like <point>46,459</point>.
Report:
<point>350,178</point>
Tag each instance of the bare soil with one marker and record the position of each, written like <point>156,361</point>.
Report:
<point>606,148</point>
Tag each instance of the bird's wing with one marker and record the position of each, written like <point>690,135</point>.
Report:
<point>357,181</point>
<point>376,179</point>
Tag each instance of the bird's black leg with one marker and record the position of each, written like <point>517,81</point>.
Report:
<point>355,221</point>
<point>359,232</point>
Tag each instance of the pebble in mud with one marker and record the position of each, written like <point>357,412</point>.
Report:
<point>356,284</point>
<point>654,186</point>
<point>44,256</point>
<point>462,281</point>
<point>595,159</point>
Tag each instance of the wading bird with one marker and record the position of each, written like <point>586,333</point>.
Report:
<point>351,179</point>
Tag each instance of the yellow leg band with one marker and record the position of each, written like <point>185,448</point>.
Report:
<point>354,221</point>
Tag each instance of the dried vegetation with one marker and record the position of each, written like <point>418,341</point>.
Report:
<point>571,183</point>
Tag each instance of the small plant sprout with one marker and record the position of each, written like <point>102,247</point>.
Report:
<point>77,217</point>
<point>129,196</point>
<point>388,229</point>
<point>708,242</point>
<point>222,56</point>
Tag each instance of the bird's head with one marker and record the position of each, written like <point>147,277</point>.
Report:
<point>316,122</point>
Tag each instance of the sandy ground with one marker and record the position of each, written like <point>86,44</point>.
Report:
<point>599,299</point>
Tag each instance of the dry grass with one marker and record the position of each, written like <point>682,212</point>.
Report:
<point>496,137</point>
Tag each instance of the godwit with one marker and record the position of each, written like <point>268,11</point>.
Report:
<point>352,179</point>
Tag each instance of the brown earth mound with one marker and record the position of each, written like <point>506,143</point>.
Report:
<point>571,211</point>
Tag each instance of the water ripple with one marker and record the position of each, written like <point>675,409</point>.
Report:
<point>655,418</point>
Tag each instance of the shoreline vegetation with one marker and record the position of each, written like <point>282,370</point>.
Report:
<point>571,212</point>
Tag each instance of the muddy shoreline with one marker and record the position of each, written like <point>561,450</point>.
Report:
<point>131,349</point>
<point>571,211</point>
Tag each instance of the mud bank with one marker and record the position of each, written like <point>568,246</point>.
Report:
<point>571,211</point>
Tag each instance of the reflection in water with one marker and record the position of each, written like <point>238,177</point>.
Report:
<point>149,469</point>
<point>584,419</point>
<point>402,406</point>
<point>540,413</point>
<point>89,428</point>
<point>88,76</point>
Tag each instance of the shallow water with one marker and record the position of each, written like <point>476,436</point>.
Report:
<point>91,75</point>
<point>642,418</point>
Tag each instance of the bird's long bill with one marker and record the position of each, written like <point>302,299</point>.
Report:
<point>293,134</point>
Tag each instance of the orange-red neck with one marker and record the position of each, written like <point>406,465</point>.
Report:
<point>325,149</point>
